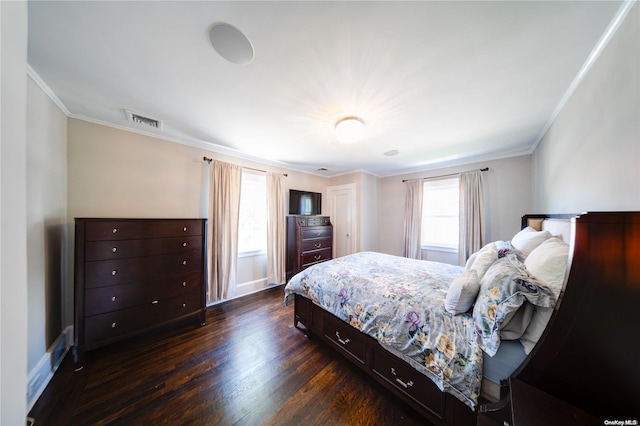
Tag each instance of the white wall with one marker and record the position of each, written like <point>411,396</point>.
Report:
<point>589,159</point>
<point>507,187</point>
<point>120,174</point>
<point>13,213</point>
<point>47,282</point>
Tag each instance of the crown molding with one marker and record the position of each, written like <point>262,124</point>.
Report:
<point>47,90</point>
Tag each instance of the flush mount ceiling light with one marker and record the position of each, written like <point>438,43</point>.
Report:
<point>231,44</point>
<point>349,129</point>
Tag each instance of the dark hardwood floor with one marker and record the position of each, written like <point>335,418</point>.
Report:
<point>247,366</point>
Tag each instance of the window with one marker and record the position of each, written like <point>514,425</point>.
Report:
<point>440,209</point>
<point>252,232</point>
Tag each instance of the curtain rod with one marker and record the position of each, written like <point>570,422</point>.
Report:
<point>441,176</point>
<point>209,160</point>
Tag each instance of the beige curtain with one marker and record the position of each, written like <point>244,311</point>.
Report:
<point>413,218</point>
<point>224,213</point>
<point>471,215</point>
<point>276,229</point>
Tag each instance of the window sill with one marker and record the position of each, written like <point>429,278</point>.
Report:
<point>440,249</point>
<point>252,253</point>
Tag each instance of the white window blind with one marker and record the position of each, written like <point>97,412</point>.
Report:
<point>252,232</point>
<point>440,210</point>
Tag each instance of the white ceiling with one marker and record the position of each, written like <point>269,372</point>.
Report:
<point>442,82</point>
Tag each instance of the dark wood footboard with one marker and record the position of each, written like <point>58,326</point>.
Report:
<point>584,370</point>
<point>412,387</point>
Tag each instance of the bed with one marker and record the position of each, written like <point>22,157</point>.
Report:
<point>443,338</point>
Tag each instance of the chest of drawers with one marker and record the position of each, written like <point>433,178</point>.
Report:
<point>309,241</point>
<point>133,275</point>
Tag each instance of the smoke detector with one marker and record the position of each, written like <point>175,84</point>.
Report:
<point>140,119</point>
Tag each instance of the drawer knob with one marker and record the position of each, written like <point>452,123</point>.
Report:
<point>318,245</point>
<point>113,325</point>
<point>184,305</point>
<point>401,382</point>
<point>155,302</point>
<point>184,244</point>
<point>113,298</point>
<point>184,229</point>
<point>184,262</point>
<point>184,283</point>
<point>114,230</point>
<point>115,249</point>
<point>317,257</point>
<point>318,233</point>
<point>114,272</point>
<point>344,342</point>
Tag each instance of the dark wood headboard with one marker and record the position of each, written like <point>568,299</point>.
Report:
<point>524,222</point>
<point>589,355</point>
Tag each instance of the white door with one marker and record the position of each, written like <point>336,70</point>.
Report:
<point>342,209</point>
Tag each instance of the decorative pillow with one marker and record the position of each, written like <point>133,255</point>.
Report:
<point>528,239</point>
<point>541,317</point>
<point>548,263</point>
<point>504,288</point>
<point>462,292</point>
<point>485,258</point>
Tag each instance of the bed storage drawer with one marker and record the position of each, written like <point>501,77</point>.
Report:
<point>404,381</point>
<point>407,380</point>
<point>302,311</point>
<point>346,338</point>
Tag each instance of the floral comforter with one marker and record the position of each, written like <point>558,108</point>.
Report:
<point>400,303</point>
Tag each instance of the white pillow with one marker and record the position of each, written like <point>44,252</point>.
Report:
<point>536,327</point>
<point>548,263</point>
<point>528,239</point>
<point>462,292</point>
<point>470,261</point>
<point>486,256</point>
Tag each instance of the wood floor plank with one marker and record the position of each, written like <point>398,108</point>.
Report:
<point>247,366</point>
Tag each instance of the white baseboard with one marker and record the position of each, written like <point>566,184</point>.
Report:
<point>40,376</point>
<point>250,287</point>
<point>246,289</point>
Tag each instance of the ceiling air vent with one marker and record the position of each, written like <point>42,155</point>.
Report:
<point>139,119</point>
